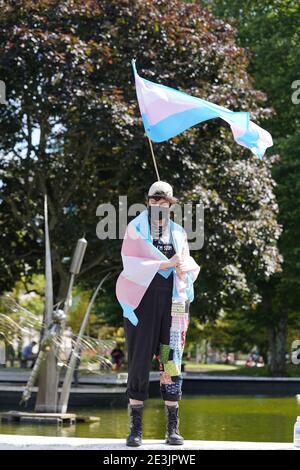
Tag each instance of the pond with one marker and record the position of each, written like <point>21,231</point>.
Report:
<point>224,418</point>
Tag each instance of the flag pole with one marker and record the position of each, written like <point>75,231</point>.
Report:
<point>153,158</point>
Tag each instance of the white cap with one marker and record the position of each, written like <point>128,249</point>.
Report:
<point>161,187</point>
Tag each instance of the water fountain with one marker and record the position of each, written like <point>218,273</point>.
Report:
<point>51,403</point>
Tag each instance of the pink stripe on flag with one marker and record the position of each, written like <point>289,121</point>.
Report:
<point>162,106</point>
<point>138,247</point>
<point>129,292</point>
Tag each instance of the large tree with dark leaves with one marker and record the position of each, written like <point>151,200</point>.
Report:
<point>270,32</point>
<point>72,129</point>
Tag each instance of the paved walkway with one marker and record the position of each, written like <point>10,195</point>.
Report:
<point>9,442</point>
<point>21,376</point>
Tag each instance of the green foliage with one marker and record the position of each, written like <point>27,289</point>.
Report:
<point>73,129</point>
<point>270,30</point>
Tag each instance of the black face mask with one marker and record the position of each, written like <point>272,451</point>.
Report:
<point>158,214</point>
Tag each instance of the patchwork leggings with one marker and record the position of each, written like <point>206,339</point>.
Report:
<point>158,335</point>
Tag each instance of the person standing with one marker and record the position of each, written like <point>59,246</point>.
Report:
<point>117,356</point>
<point>154,290</point>
<point>28,355</point>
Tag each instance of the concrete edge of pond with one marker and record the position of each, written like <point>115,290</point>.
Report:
<point>120,378</point>
<point>17,442</point>
<point>85,397</point>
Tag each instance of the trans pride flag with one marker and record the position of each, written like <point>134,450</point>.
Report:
<point>141,261</point>
<point>167,112</point>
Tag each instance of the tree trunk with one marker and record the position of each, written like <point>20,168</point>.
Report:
<point>63,288</point>
<point>61,278</point>
<point>277,339</point>
<point>205,351</point>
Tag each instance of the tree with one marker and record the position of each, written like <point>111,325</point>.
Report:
<point>270,32</point>
<point>73,129</point>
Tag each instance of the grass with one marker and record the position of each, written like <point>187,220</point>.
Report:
<point>209,369</point>
<point>223,369</point>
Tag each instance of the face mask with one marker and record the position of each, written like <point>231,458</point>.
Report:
<point>158,214</point>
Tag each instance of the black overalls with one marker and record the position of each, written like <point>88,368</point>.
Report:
<point>152,336</point>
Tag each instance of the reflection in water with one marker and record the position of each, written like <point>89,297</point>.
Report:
<point>205,418</point>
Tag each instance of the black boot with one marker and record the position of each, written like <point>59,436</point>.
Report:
<point>172,435</point>
<point>135,436</point>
